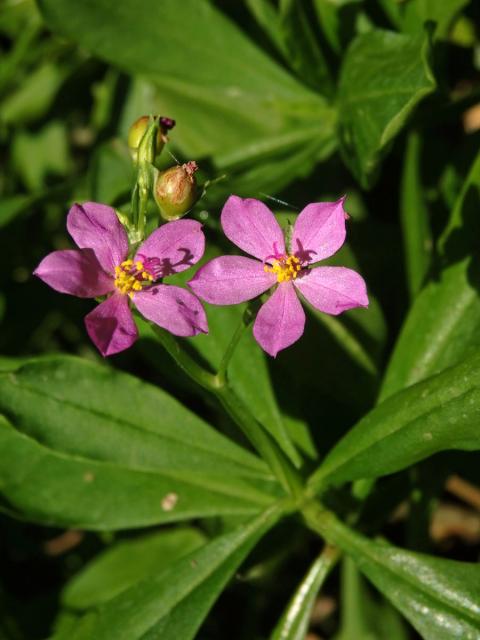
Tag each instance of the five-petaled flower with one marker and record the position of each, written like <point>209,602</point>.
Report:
<point>318,233</point>
<point>101,267</point>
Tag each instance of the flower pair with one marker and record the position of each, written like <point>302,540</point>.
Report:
<point>101,266</point>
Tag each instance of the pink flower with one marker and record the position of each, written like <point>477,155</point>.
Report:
<point>318,233</point>
<point>100,267</point>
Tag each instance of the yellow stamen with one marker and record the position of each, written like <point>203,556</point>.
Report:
<point>131,277</point>
<point>287,268</point>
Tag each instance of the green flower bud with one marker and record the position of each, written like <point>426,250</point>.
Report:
<point>138,129</point>
<point>176,190</point>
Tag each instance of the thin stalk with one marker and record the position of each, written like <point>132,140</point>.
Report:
<point>260,439</point>
<point>246,320</point>
<point>197,373</point>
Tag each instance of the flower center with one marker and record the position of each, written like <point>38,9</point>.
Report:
<point>284,267</point>
<point>132,276</point>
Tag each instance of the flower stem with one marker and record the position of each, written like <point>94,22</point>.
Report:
<point>143,184</point>
<point>261,440</point>
<point>256,434</point>
<point>185,361</point>
<point>246,320</point>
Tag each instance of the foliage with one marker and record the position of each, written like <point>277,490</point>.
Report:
<point>138,490</point>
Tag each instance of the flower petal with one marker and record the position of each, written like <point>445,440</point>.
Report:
<point>173,308</point>
<point>231,279</point>
<point>280,321</point>
<point>111,326</point>
<point>319,231</point>
<point>174,247</point>
<point>76,272</point>
<point>96,226</point>
<point>333,289</point>
<point>251,225</point>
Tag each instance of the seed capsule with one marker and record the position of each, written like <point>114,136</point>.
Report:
<point>176,191</point>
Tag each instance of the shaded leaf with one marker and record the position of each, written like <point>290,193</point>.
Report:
<point>293,625</point>
<point>362,617</point>
<point>174,603</point>
<point>439,413</point>
<point>417,237</point>
<point>443,324</point>
<point>126,562</point>
<point>383,78</point>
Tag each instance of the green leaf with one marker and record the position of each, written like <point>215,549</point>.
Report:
<point>383,78</point>
<point>417,237</point>
<point>195,56</point>
<point>293,625</point>
<point>111,173</point>
<point>102,450</point>
<point>127,562</point>
<point>34,96</point>
<point>362,617</point>
<point>439,597</point>
<point>439,413</point>
<point>36,156</point>
<point>415,14</point>
<point>304,54</point>
<point>443,324</point>
<point>174,603</point>
<point>335,17</point>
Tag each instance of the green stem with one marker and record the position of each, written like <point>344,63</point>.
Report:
<point>261,440</point>
<point>197,373</point>
<point>246,320</point>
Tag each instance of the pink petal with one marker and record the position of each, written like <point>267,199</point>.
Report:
<point>333,289</point>
<point>96,226</point>
<point>280,321</point>
<point>173,247</point>
<point>319,231</point>
<point>76,272</point>
<point>251,225</point>
<point>231,279</point>
<point>173,308</point>
<point>111,326</point>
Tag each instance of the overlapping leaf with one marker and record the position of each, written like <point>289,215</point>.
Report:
<point>439,597</point>
<point>383,78</point>
<point>439,413</point>
<point>91,447</point>
<point>173,603</point>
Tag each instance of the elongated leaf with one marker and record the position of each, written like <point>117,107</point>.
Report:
<point>69,491</point>
<point>439,413</point>
<point>293,625</point>
<point>444,323</point>
<point>127,562</point>
<point>195,56</point>
<point>127,452</point>
<point>439,597</point>
<point>362,617</point>
<point>173,604</point>
<point>414,217</point>
<point>383,78</point>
